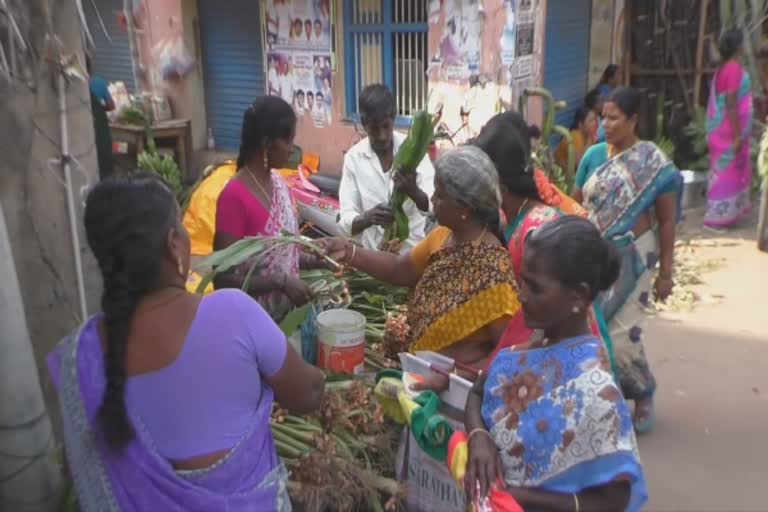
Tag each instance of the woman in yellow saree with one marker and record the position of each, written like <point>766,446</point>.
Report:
<point>464,292</point>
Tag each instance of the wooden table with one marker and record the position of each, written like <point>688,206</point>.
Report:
<point>179,130</point>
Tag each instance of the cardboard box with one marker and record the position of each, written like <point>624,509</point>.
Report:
<point>430,486</point>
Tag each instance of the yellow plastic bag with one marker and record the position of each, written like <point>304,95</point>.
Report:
<point>200,217</point>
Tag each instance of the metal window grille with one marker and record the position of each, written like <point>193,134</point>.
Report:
<point>386,42</point>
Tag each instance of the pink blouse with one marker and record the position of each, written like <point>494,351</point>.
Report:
<point>238,213</point>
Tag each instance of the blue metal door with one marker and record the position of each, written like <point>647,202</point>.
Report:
<point>112,53</point>
<point>233,64</point>
<point>566,62</point>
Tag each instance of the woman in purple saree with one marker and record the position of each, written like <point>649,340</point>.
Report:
<point>729,127</point>
<point>166,396</point>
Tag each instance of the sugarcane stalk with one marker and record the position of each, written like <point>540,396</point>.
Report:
<point>285,450</point>
<point>290,441</point>
<point>307,438</point>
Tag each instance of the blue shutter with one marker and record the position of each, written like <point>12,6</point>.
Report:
<point>566,62</point>
<point>111,59</point>
<point>230,33</point>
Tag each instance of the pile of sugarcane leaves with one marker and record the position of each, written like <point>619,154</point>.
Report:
<point>341,458</point>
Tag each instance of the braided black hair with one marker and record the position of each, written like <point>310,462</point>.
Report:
<point>576,253</point>
<point>506,139</point>
<point>127,221</point>
<point>267,119</point>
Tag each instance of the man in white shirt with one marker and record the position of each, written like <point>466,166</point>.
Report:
<point>284,20</point>
<point>367,182</point>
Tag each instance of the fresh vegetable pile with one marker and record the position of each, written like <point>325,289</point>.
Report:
<point>342,457</point>
<point>410,154</point>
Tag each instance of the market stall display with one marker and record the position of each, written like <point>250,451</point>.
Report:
<point>350,444</point>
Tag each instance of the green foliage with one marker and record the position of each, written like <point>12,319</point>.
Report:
<point>667,146</point>
<point>134,115</point>
<point>410,153</point>
<point>543,154</point>
<point>664,143</point>
<point>165,167</point>
<point>696,131</point>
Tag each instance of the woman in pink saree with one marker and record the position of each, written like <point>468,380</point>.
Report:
<point>256,202</point>
<point>729,124</point>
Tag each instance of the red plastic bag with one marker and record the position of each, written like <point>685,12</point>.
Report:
<point>497,501</point>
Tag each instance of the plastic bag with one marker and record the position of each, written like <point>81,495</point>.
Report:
<point>172,58</point>
<point>496,501</point>
<point>309,335</point>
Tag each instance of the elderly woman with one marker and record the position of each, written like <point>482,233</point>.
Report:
<point>464,289</point>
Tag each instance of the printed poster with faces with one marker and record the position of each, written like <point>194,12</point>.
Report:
<point>299,56</point>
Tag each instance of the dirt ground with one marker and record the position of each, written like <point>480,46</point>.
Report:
<point>709,451</point>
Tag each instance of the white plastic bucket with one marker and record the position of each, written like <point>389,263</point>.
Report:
<point>341,341</point>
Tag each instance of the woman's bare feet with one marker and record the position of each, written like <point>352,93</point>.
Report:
<point>645,415</point>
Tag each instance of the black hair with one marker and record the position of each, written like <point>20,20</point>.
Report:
<point>609,72</point>
<point>319,95</point>
<point>592,99</point>
<point>628,99</point>
<point>300,91</point>
<point>310,93</point>
<point>127,221</point>
<point>730,43</point>
<point>575,252</point>
<point>318,22</point>
<point>506,139</point>
<point>580,116</point>
<point>376,104</point>
<point>267,119</point>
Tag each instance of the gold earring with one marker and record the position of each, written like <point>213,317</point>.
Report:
<point>181,268</point>
<point>463,217</point>
<point>576,310</point>
<point>266,161</point>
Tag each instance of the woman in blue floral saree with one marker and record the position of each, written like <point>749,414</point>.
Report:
<point>548,422</point>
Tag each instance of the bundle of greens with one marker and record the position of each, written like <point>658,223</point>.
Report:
<point>253,250</point>
<point>409,156</point>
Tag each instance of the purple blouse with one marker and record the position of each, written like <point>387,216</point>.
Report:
<point>205,400</point>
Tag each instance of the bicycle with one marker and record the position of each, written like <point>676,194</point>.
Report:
<point>443,132</point>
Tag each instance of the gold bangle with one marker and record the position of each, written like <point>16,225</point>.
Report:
<point>352,257</point>
<point>479,429</point>
<point>576,504</point>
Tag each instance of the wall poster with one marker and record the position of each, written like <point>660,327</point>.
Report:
<point>299,58</point>
<point>462,39</point>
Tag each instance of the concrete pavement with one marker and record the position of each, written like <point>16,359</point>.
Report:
<point>709,451</point>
